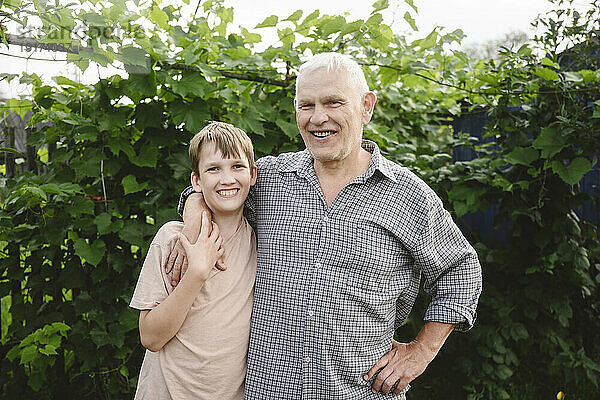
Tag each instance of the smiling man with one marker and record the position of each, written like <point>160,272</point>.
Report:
<point>344,236</point>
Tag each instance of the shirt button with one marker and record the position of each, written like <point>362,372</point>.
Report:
<point>310,313</point>
<point>318,265</point>
<point>307,359</point>
<point>325,218</point>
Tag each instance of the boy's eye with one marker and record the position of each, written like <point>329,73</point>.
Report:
<point>210,169</point>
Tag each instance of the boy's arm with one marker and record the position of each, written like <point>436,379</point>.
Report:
<point>159,325</point>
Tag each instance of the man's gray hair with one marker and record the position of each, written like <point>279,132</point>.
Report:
<point>336,61</point>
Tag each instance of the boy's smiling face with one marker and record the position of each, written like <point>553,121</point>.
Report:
<point>224,182</point>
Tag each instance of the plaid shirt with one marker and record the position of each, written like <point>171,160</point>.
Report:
<point>334,282</point>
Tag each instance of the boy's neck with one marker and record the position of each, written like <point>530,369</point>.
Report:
<point>228,223</point>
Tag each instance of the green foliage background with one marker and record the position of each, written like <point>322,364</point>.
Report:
<point>74,234</point>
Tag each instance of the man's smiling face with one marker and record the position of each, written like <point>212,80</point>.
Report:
<point>330,114</point>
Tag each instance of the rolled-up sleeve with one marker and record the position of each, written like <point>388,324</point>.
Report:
<point>450,267</point>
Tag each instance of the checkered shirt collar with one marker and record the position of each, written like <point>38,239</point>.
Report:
<point>303,164</point>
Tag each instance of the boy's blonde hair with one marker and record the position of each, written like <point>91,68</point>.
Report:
<point>229,140</point>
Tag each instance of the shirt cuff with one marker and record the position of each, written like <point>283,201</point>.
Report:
<point>462,317</point>
<point>182,198</point>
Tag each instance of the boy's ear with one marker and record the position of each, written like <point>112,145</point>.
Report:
<point>195,181</point>
<point>253,175</point>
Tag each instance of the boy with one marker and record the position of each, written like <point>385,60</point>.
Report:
<point>197,333</point>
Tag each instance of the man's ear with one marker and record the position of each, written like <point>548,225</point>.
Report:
<point>253,175</point>
<point>368,105</point>
<point>195,181</point>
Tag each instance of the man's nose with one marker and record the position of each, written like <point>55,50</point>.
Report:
<point>319,115</point>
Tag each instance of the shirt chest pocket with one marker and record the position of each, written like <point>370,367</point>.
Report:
<point>375,260</point>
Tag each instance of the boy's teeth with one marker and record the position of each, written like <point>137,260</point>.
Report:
<point>229,192</point>
<point>323,134</point>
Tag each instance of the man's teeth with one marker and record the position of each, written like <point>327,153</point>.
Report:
<point>228,192</point>
<point>323,134</point>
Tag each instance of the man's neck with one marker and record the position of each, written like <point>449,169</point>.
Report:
<point>349,168</point>
<point>335,175</point>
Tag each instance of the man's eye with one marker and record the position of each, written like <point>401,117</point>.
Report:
<point>305,106</point>
<point>335,103</point>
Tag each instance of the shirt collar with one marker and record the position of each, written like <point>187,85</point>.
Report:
<point>302,164</point>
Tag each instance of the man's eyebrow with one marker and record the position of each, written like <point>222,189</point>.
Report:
<point>333,97</point>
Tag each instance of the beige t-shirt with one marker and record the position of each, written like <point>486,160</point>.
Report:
<point>206,359</point>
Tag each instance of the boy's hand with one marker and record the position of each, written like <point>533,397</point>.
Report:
<point>192,213</point>
<point>203,254</point>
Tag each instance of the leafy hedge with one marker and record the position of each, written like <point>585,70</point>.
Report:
<point>73,237</point>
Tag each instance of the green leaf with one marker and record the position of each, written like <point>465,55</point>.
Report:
<point>503,372</point>
<point>207,70</point>
<point>99,337</point>
<point>148,115</point>
<point>428,42</point>
<point>19,106</point>
<point>268,22</point>
<point>160,17</point>
<point>384,37</point>
<point>410,3</point>
<point>408,18</point>
<point>139,86</point>
<point>522,155</point>
<point>574,172</point>
<point>103,222</point>
<point>91,253</point>
<point>549,141</point>
<point>29,354</point>
<point>191,82</point>
<point>130,185</point>
<point>251,37</point>
<point>133,233</point>
<point>12,151</point>
<point>389,76</point>
<point>48,350</point>
<point>295,16</point>
<point>549,63</point>
<point>290,129</point>
<point>546,74</point>
<point>379,5</point>
<point>147,158</point>
<point>352,27</point>
<point>136,58</point>
<point>37,380</point>
<point>194,115</point>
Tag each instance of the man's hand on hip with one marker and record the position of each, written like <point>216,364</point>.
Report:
<point>406,361</point>
<point>402,364</point>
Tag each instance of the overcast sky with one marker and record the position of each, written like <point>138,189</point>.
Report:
<point>481,21</point>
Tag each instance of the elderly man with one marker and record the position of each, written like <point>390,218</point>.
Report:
<point>344,236</point>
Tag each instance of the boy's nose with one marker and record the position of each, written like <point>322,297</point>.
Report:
<point>227,178</point>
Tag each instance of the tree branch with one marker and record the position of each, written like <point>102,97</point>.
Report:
<point>33,43</point>
<point>233,75</point>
